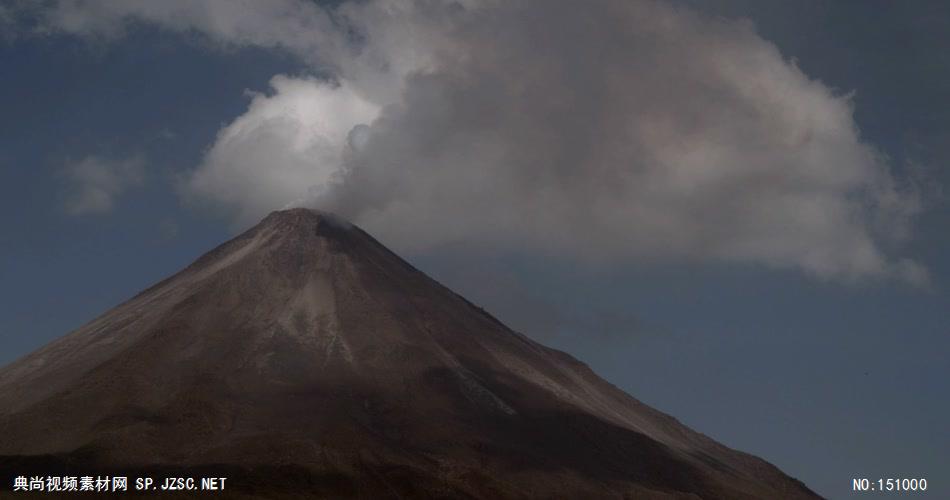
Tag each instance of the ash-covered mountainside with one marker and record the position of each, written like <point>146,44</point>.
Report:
<point>304,359</point>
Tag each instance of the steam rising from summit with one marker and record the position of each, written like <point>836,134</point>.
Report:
<point>599,131</point>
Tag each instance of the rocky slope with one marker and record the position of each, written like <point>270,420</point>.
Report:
<point>304,359</point>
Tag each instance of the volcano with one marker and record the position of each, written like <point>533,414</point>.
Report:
<point>303,359</point>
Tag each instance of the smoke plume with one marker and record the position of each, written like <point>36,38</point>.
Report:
<point>597,131</point>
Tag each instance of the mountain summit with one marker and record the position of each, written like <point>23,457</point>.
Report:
<point>306,359</point>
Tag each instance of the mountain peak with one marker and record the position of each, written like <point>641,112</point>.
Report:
<point>305,219</point>
<point>301,214</point>
<point>304,341</point>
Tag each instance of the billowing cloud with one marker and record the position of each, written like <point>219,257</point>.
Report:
<point>602,132</point>
<point>287,148</point>
<point>95,183</point>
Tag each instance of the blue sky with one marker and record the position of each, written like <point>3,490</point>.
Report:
<point>827,375</point>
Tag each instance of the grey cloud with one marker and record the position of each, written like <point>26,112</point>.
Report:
<point>298,26</point>
<point>95,183</point>
<point>626,130</point>
<point>615,131</point>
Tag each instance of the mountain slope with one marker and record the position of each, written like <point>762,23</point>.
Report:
<point>305,347</point>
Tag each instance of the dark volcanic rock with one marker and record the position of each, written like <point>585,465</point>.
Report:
<point>304,359</point>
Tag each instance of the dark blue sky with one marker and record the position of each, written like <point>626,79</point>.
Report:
<point>829,381</point>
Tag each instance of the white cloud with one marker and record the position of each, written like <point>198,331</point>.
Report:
<point>95,183</point>
<point>620,130</point>
<point>284,149</point>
